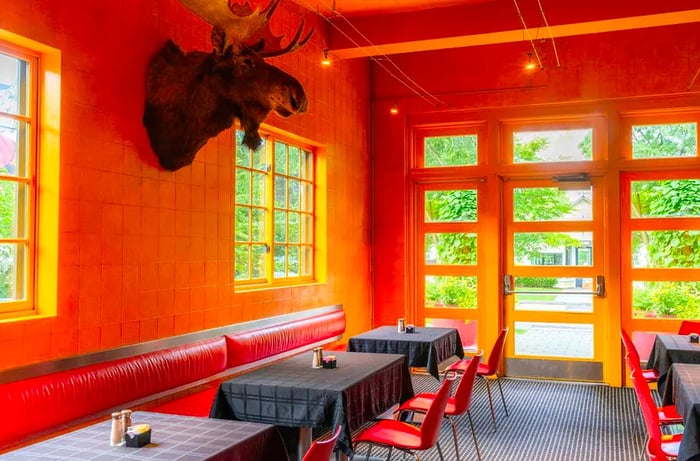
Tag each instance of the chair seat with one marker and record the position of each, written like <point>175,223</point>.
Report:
<point>650,374</point>
<point>669,415</point>
<point>670,444</point>
<point>421,403</point>
<point>394,433</point>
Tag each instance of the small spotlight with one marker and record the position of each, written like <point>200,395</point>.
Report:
<point>325,61</point>
<point>530,65</point>
<point>394,109</point>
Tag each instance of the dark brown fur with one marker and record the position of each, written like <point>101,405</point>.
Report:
<point>191,97</point>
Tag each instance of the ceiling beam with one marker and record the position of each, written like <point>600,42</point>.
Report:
<point>517,35</point>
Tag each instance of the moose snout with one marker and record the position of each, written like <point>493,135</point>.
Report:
<point>299,103</point>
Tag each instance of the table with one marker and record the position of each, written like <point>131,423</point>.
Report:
<point>683,390</point>
<point>291,393</point>
<point>670,349</point>
<point>173,437</point>
<point>425,348</point>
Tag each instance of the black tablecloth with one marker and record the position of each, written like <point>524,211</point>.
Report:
<point>291,393</point>
<point>670,349</point>
<point>683,389</point>
<point>172,437</point>
<point>426,348</point>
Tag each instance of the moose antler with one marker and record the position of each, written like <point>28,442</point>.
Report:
<point>239,26</point>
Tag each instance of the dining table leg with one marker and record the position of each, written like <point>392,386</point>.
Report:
<point>305,439</point>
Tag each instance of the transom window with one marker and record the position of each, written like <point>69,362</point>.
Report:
<point>18,96</point>
<point>274,213</point>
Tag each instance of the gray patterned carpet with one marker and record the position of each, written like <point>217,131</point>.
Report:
<point>548,421</point>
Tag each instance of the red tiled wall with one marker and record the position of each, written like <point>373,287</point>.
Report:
<point>145,253</point>
<point>600,73</point>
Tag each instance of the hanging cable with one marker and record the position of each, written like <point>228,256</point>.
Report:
<point>409,83</point>
<point>549,31</point>
<point>527,33</point>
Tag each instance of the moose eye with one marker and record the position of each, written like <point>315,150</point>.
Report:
<point>248,62</point>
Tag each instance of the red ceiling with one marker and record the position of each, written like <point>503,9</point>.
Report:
<point>373,7</point>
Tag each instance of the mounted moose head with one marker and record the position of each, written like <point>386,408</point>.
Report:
<point>191,97</point>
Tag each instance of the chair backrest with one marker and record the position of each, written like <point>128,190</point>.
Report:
<point>430,427</point>
<point>632,354</point>
<point>321,450</point>
<point>649,412</point>
<point>497,352</point>
<point>688,326</point>
<point>463,394</point>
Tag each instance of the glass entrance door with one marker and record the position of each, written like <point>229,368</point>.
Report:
<point>553,283</point>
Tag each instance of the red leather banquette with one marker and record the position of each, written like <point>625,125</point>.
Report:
<point>36,405</point>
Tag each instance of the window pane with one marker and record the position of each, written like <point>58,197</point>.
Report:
<point>259,180</point>
<point>553,249</point>
<point>308,229</point>
<point>659,141</point>
<point>280,226</point>
<point>294,162</point>
<point>280,158</point>
<point>242,224</point>
<point>294,234</point>
<point>257,225</point>
<point>666,249</point>
<point>537,204</point>
<point>280,261</point>
<point>307,165</point>
<point>293,261</point>
<point>12,256</point>
<point>280,192</point>
<point>450,248</point>
<point>450,151</point>
<point>552,146</point>
<point>242,268</point>
<point>666,299</point>
<point>294,194</point>
<point>665,198</point>
<point>306,260</point>
<point>14,85</point>
<point>243,191</point>
<point>554,339</point>
<point>258,261</point>
<point>14,141</point>
<point>450,291</point>
<point>450,206</point>
<point>467,330</point>
<point>307,197</point>
<point>243,154</point>
<point>554,294</point>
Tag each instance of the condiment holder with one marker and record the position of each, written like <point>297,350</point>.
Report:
<point>410,328</point>
<point>329,361</point>
<point>694,338</point>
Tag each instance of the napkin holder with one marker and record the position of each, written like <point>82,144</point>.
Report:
<point>136,437</point>
<point>329,361</point>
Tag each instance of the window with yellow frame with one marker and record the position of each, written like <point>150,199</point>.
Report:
<point>274,213</point>
<point>18,126</point>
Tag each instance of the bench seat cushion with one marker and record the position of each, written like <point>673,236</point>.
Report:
<point>253,345</point>
<point>36,404</point>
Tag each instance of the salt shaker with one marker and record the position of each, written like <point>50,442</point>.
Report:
<point>401,326</point>
<point>317,361</point>
<point>126,420</point>
<point>117,435</point>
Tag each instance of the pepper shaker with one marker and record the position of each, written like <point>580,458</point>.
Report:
<point>117,435</point>
<point>126,420</point>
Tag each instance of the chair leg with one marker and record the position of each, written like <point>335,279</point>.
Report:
<point>476,444</point>
<point>454,435</point>
<point>503,399</point>
<point>493,413</point>
<point>437,444</point>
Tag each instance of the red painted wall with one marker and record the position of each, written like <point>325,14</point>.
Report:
<point>605,73</point>
<point>145,253</point>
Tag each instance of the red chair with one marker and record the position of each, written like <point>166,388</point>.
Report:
<point>457,405</point>
<point>321,450</point>
<point>688,326</point>
<point>407,437</point>
<point>660,446</point>
<point>487,369</point>
<point>650,375</point>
